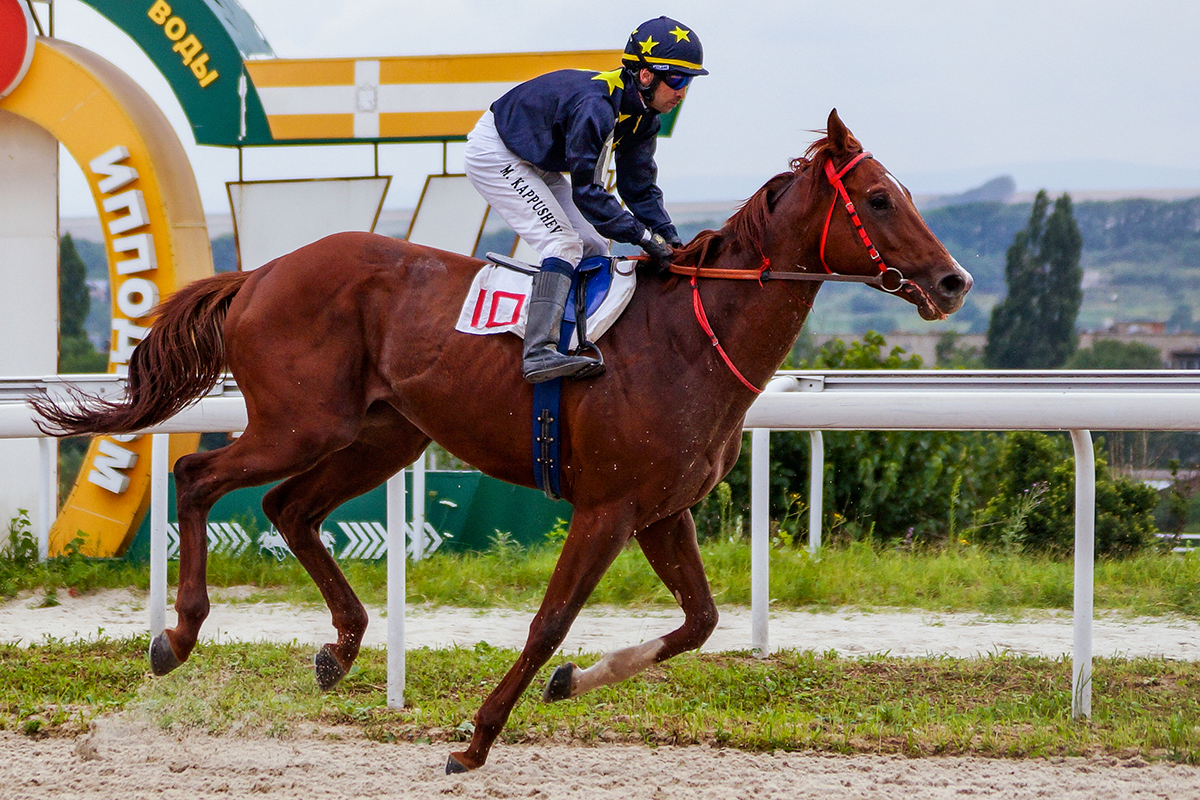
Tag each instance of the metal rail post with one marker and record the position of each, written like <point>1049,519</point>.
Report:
<point>159,456</point>
<point>46,491</point>
<point>760,526</point>
<point>1085,549</point>
<point>396,589</point>
<point>816,489</point>
<point>760,545</point>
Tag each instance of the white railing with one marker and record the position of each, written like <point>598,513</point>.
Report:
<point>967,400</point>
<point>795,400</point>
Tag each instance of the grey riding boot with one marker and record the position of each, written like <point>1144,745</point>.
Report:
<point>541,360</point>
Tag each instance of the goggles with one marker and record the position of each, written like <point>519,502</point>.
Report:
<point>676,81</point>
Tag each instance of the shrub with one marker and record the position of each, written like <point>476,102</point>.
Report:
<point>877,484</point>
<point>1033,463</point>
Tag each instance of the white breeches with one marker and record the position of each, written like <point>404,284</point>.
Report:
<point>535,203</point>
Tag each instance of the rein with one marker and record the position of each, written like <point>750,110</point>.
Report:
<point>889,279</point>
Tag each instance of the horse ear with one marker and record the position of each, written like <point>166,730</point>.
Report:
<point>838,134</point>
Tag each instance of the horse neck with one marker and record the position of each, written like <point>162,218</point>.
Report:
<point>760,322</point>
<point>757,324</point>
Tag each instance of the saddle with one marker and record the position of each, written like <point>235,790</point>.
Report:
<point>499,294</point>
<point>591,289</point>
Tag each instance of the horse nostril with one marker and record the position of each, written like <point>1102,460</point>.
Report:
<point>952,286</point>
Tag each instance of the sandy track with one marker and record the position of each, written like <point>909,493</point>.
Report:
<point>121,760</point>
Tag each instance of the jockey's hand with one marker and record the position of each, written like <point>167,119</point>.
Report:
<point>657,248</point>
<point>675,241</point>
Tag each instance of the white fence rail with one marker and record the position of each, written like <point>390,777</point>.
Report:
<point>797,400</point>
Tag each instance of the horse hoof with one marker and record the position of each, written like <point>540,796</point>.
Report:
<point>454,766</point>
<point>327,669</point>
<point>162,657</point>
<point>559,687</point>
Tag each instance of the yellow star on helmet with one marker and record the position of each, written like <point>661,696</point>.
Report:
<point>649,44</point>
<point>680,34</point>
<point>613,79</point>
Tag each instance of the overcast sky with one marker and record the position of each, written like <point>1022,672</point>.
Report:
<point>1071,95</point>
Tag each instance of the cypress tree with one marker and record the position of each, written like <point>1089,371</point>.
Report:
<point>75,351</point>
<point>1034,326</point>
<point>73,299</point>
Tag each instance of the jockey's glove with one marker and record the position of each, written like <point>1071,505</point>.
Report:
<point>657,248</point>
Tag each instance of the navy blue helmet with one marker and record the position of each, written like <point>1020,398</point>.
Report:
<point>664,45</point>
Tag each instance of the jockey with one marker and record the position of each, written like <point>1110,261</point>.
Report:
<point>539,157</point>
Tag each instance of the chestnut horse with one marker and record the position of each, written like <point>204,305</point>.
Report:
<point>347,357</point>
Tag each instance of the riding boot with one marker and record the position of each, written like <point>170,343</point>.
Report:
<point>541,360</point>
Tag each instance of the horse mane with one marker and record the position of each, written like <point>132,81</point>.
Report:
<point>746,228</point>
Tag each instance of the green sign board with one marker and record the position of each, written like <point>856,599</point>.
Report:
<point>463,511</point>
<point>199,46</point>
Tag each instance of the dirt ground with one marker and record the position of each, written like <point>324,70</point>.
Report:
<point>125,759</point>
<point>118,759</point>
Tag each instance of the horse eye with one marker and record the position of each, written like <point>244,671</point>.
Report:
<point>880,202</point>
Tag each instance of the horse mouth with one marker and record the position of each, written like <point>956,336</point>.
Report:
<point>950,290</point>
<point>926,307</point>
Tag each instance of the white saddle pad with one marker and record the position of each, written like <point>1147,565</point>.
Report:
<point>499,297</point>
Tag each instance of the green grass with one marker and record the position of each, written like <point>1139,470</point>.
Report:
<point>964,578</point>
<point>1001,705</point>
<point>997,706</point>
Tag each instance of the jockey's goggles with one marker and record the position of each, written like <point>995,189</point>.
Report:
<point>676,81</point>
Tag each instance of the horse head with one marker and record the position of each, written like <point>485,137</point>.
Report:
<point>868,225</point>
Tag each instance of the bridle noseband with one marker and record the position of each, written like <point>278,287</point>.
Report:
<point>888,278</point>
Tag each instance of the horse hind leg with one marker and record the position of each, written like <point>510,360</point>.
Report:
<point>200,480</point>
<point>299,505</point>
<point>671,548</point>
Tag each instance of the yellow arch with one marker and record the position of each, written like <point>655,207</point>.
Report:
<point>94,110</point>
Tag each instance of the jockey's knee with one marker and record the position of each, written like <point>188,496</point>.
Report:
<point>569,250</point>
<point>592,246</point>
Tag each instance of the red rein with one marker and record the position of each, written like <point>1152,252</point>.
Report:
<point>702,318</point>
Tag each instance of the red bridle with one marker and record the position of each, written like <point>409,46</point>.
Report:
<point>835,180</point>
<point>889,279</point>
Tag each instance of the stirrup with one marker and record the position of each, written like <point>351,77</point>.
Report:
<point>596,368</point>
<point>546,366</point>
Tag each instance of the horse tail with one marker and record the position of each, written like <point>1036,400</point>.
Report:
<point>179,362</point>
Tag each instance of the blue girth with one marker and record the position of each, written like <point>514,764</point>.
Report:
<point>595,275</point>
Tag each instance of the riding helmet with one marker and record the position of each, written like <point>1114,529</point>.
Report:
<point>664,45</point>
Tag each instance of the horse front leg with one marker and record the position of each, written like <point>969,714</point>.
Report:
<point>592,544</point>
<point>671,548</point>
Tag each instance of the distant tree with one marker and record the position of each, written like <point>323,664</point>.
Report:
<point>1033,506</point>
<point>73,299</point>
<point>1114,354</point>
<point>1034,326</point>
<point>76,353</point>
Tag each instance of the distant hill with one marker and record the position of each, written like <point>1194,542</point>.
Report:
<point>999,190</point>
